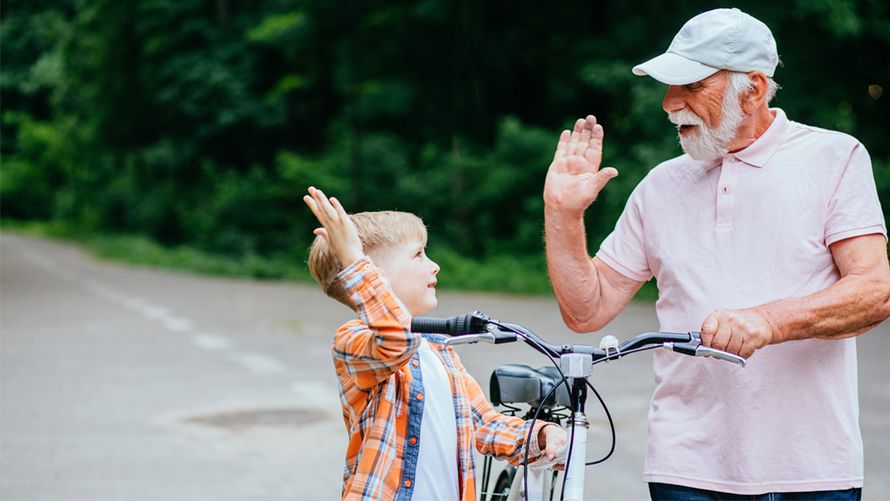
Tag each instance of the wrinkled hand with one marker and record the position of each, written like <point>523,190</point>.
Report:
<point>574,179</point>
<point>552,440</point>
<point>740,332</point>
<point>338,230</point>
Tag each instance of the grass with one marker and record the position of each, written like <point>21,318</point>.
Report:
<point>142,251</point>
<point>525,275</point>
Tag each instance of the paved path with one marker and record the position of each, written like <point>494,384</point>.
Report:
<point>134,384</point>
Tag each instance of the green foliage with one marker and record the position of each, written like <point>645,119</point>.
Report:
<point>497,273</point>
<point>276,27</point>
<point>198,125</point>
<point>27,179</point>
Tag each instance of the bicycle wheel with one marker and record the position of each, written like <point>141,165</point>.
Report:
<point>502,487</point>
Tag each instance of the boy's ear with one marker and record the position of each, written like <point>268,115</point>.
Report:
<point>380,254</point>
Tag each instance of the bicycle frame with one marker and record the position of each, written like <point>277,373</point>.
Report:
<point>538,485</point>
<point>538,482</point>
<point>578,368</point>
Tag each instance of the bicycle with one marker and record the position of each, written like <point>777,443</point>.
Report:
<point>574,367</point>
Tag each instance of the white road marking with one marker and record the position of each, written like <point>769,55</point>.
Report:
<point>135,303</point>
<point>310,392</point>
<point>211,342</point>
<point>102,290</point>
<point>153,312</point>
<point>258,363</point>
<point>175,324</point>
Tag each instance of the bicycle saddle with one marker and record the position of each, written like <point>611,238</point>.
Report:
<point>517,383</point>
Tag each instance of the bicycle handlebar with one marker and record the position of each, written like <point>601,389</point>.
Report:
<point>471,323</point>
<point>477,327</point>
<point>574,366</point>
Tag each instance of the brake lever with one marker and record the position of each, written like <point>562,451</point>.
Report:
<point>704,351</point>
<point>493,336</point>
<point>485,337</point>
<point>695,348</point>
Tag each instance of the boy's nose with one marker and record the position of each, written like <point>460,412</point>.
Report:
<point>436,267</point>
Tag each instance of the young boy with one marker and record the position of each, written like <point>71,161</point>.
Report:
<point>412,411</point>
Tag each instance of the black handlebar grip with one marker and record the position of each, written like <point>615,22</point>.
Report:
<point>471,323</point>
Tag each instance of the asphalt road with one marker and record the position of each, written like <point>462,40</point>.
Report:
<point>135,384</point>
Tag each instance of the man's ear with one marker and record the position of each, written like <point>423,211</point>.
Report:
<point>755,97</point>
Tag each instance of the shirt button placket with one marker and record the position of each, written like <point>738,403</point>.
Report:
<point>725,201</point>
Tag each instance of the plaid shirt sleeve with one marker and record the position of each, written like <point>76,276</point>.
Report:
<point>380,342</point>
<point>496,434</point>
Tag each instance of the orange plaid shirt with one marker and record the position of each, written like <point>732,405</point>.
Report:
<point>381,390</point>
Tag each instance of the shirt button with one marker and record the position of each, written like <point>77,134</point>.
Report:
<point>415,363</point>
<point>420,396</point>
<point>413,440</point>
<point>407,483</point>
<point>725,189</point>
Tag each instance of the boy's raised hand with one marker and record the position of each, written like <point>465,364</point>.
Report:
<point>338,230</point>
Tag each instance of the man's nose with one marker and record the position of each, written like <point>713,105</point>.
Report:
<point>673,100</point>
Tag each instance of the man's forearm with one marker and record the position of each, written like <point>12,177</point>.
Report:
<point>571,270</point>
<point>848,308</point>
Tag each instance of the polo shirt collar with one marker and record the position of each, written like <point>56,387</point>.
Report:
<point>764,147</point>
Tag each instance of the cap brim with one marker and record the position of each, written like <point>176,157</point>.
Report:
<point>672,69</point>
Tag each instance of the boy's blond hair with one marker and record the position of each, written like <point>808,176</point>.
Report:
<point>378,231</point>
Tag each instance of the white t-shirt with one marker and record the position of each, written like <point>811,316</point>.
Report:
<point>751,228</point>
<point>436,476</point>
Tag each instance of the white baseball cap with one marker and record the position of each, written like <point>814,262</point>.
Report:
<point>712,41</point>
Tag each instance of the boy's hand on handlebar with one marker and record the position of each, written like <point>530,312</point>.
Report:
<point>338,229</point>
<point>574,179</point>
<point>552,440</point>
<point>739,332</point>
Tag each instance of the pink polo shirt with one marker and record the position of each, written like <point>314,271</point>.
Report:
<point>751,228</point>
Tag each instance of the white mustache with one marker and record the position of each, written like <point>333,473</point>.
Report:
<point>684,117</point>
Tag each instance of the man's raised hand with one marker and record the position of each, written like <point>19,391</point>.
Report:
<point>574,179</point>
<point>337,229</point>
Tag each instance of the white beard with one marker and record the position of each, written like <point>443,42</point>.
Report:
<point>710,143</point>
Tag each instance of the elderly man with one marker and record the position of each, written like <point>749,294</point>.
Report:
<point>768,236</point>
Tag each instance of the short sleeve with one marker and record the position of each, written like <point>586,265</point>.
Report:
<point>854,209</point>
<point>624,250</point>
